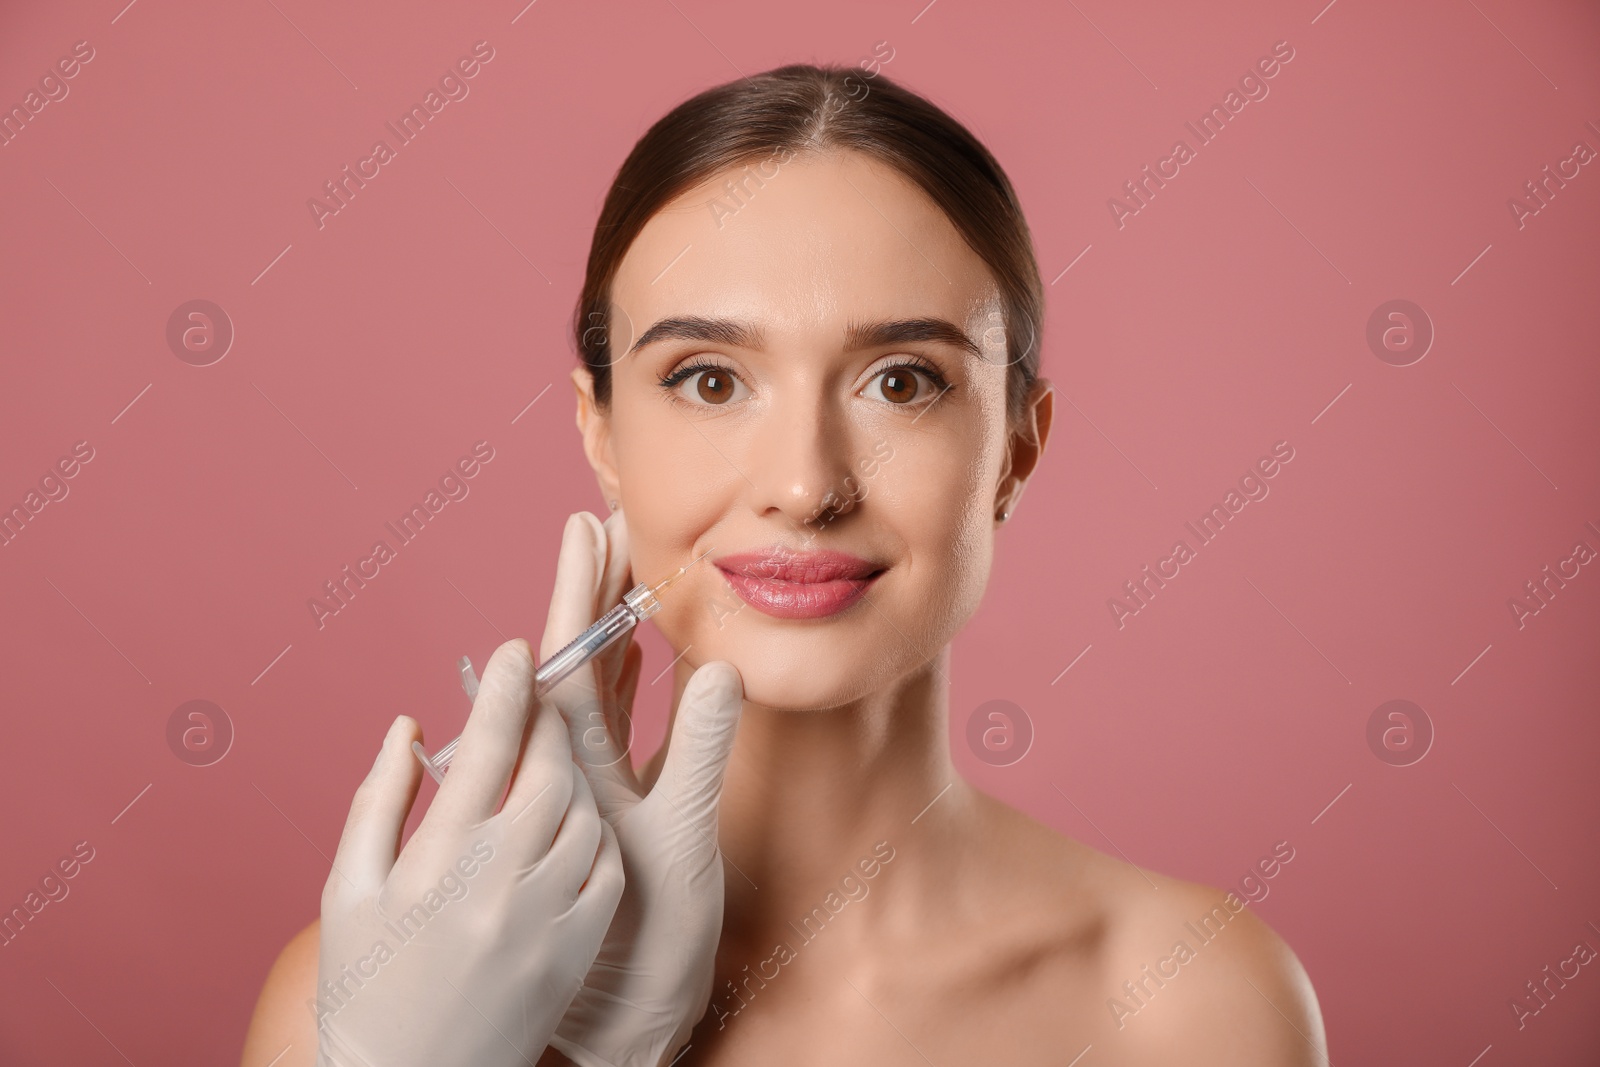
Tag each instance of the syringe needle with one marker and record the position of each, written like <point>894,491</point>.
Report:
<point>681,571</point>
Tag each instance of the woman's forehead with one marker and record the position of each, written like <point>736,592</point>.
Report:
<point>814,243</point>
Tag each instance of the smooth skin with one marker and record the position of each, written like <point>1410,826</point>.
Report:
<point>989,938</point>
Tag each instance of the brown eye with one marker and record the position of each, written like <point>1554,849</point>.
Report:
<point>898,385</point>
<point>714,387</point>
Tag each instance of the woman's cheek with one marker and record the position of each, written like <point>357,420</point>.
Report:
<point>941,511</point>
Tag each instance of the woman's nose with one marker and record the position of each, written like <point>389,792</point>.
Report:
<point>800,465</point>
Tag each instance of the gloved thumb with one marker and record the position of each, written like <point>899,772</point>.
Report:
<point>702,739</point>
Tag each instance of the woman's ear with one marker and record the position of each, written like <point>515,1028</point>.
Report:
<point>1024,446</point>
<point>595,427</point>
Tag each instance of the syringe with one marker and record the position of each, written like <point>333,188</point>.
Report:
<point>638,604</point>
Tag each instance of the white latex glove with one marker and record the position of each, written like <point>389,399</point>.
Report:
<point>651,981</point>
<point>469,946</point>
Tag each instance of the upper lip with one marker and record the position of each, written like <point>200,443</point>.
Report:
<point>778,563</point>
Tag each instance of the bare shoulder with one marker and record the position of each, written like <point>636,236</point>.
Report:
<point>1197,975</point>
<point>1176,972</point>
<point>283,1031</point>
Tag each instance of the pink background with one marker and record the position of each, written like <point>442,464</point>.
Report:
<point>1227,315</point>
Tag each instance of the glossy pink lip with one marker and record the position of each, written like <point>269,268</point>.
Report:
<point>790,584</point>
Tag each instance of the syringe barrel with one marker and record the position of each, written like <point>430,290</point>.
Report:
<point>638,603</point>
<point>612,625</point>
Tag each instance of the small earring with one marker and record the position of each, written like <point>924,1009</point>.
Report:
<point>1004,515</point>
<point>613,504</point>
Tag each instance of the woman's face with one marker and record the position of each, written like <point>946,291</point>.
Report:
<point>816,403</point>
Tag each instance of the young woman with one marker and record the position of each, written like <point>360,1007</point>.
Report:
<point>810,348</point>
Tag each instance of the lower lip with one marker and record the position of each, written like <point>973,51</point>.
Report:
<point>799,600</point>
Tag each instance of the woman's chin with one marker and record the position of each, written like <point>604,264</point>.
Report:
<point>805,666</point>
<point>798,686</point>
<point>776,695</point>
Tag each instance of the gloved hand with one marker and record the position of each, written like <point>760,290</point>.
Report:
<point>469,946</point>
<point>651,981</point>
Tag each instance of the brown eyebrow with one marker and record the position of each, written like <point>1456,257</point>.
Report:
<point>857,335</point>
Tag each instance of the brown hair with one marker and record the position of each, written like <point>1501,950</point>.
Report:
<point>806,107</point>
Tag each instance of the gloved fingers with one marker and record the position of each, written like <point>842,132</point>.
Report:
<point>571,855</point>
<point>702,739</point>
<point>371,838</point>
<point>627,685</point>
<point>574,606</point>
<point>541,784</point>
<point>579,566</point>
<point>620,665</point>
<point>624,689</point>
<point>607,755</point>
<point>615,579</point>
<point>601,892</point>
<point>491,743</point>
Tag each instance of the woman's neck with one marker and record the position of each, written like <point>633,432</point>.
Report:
<point>808,794</point>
